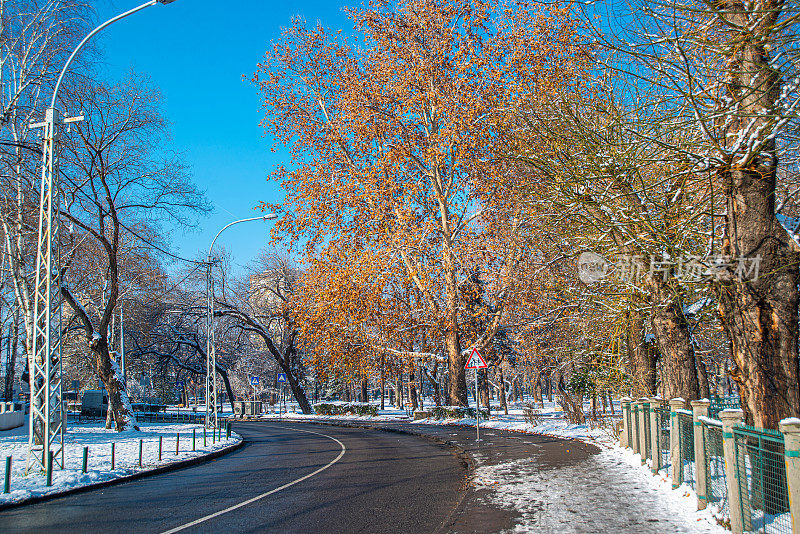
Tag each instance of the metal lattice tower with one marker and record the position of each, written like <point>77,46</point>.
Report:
<point>46,431</point>
<point>211,354</point>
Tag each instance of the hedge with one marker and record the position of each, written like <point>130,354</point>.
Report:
<point>456,412</point>
<point>346,409</point>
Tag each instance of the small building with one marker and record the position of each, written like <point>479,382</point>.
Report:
<point>94,403</point>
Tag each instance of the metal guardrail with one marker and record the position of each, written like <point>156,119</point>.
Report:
<point>145,417</point>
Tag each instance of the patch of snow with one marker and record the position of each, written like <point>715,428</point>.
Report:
<point>608,492</point>
<point>14,443</point>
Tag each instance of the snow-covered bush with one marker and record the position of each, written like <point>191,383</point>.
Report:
<point>345,409</point>
<point>456,412</point>
<point>533,415</point>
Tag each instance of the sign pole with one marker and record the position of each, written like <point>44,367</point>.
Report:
<point>477,409</point>
<point>476,362</point>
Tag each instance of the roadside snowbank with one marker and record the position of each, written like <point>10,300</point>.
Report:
<point>126,455</point>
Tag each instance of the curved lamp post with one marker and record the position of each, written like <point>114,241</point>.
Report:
<point>47,418</point>
<point>212,414</point>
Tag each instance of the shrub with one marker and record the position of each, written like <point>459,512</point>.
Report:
<point>346,409</point>
<point>532,414</point>
<point>456,412</point>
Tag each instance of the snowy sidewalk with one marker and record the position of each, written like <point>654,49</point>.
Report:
<point>99,441</point>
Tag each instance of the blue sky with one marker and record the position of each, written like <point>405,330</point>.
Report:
<point>197,51</point>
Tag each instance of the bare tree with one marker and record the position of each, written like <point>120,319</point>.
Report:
<point>725,73</point>
<point>260,306</point>
<point>121,180</point>
<point>36,37</point>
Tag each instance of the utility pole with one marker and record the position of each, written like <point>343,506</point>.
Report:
<point>46,430</point>
<point>212,413</point>
<point>46,425</point>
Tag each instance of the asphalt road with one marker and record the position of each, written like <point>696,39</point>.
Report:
<point>288,477</point>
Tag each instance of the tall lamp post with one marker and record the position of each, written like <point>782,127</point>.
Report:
<point>46,429</point>
<point>211,351</point>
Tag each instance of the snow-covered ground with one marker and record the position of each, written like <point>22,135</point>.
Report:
<point>126,455</point>
<point>551,420</point>
<point>565,499</point>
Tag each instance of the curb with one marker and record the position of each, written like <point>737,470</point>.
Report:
<point>127,478</point>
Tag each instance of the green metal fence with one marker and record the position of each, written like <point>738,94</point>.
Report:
<point>762,480</point>
<point>716,483</point>
<point>722,403</point>
<point>662,418</point>
<point>636,428</point>
<point>144,417</point>
<point>686,434</point>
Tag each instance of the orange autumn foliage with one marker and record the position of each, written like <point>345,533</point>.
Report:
<point>394,174</point>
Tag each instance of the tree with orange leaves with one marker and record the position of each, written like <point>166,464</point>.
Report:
<point>392,132</point>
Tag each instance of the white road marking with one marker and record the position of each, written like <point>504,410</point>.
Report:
<point>270,492</point>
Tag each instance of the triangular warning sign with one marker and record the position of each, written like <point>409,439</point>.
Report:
<point>475,361</point>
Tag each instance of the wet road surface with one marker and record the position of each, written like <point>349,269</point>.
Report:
<point>384,482</point>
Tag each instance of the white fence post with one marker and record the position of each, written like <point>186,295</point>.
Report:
<point>791,442</point>
<point>675,441</point>
<point>644,404</point>
<point>626,414</point>
<point>655,434</point>
<point>700,409</point>
<point>730,418</point>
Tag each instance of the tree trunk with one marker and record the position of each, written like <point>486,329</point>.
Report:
<point>759,313</point>
<point>457,381</point>
<point>760,319</point>
<point>412,390</point>
<point>674,342</point>
<point>398,392</point>
<point>503,400</point>
<point>641,361</point>
<point>226,382</point>
<point>702,377</point>
<point>364,390</point>
<point>571,403</point>
<point>13,340</point>
<point>537,391</point>
<point>294,384</point>
<point>383,382</point>
<point>483,388</point>
<point>120,411</point>
<point>434,380</point>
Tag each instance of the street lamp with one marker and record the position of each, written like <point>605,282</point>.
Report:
<point>46,428</point>
<point>211,352</point>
